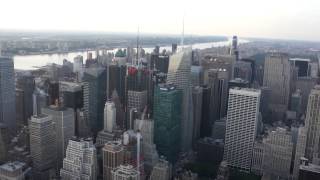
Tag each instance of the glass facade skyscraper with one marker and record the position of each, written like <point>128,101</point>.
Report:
<point>167,120</point>
<point>7,93</point>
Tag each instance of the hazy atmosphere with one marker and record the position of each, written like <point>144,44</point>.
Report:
<point>285,19</point>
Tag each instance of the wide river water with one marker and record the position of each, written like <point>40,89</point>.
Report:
<point>29,62</point>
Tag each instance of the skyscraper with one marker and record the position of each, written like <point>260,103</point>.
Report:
<point>241,126</point>
<point>167,121</point>
<point>7,93</point>
<point>113,156</point>
<point>150,154</point>
<point>125,172</point>
<point>218,83</point>
<point>197,75</point>
<point>197,112</point>
<point>80,161</point>
<point>312,124</point>
<point>42,145</point>
<point>13,170</point>
<point>78,67</point>
<point>71,96</point>
<point>64,128</point>
<point>277,76</point>
<point>179,74</point>
<point>299,150</point>
<point>25,82</point>
<point>109,124</point>
<point>278,153</point>
<point>94,96</point>
<point>161,171</point>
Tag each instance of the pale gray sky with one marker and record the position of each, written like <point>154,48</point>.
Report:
<point>293,19</point>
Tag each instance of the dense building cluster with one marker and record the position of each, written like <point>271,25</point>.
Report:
<point>134,115</point>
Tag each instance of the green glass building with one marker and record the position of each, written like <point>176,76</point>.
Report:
<point>167,121</point>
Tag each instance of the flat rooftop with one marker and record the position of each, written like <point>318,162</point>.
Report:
<point>310,167</point>
<point>12,166</point>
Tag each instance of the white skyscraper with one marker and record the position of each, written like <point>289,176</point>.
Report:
<point>42,145</point>
<point>179,74</point>
<point>312,124</point>
<point>7,93</point>
<point>241,127</point>
<point>80,161</point>
<point>107,134</point>
<point>109,116</point>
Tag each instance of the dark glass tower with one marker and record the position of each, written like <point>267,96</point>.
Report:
<point>94,97</point>
<point>167,121</point>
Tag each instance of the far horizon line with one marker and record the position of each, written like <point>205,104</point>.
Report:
<point>93,32</point>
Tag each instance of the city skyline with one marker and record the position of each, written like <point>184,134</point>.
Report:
<point>248,18</point>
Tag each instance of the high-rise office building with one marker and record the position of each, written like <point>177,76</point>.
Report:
<point>277,76</point>
<point>167,121</point>
<point>161,171</point>
<point>159,63</point>
<point>4,142</point>
<point>125,172</point>
<point>109,124</point>
<point>63,119</point>
<point>25,83</point>
<point>21,119</point>
<point>117,81</point>
<point>43,146</point>
<point>113,156</point>
<point>150,154</point>
<point>80,161</point>
<point>243,70</point>
<point>13,171</point>
<point>197,75</point>
<point>219,129</point>
<point>179,74</point>
<point>299,150</point>
<point>206,123</point>
<point>218,62</point>
<point>312,124</point>
<point>78,67</point>
<point>295,102</point>
<point>278,154</point>
<point>241,127</point>
<point>94,97</point>
<point>197,113</point>
<point>218,83</point>
<point>7,93</point>
<point>71,96</point>
<point>120,115</point>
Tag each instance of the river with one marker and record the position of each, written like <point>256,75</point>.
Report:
<point>29,62</point>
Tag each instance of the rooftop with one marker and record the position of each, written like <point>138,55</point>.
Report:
<point>12,166</point>
<point>310,167</point>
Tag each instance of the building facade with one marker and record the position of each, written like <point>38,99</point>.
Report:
<point>7,93</point>
<point>241,127</point>
<point>179,74</point>
<point>167,121</point>
<point>80,161</point>
<point>113,156</point>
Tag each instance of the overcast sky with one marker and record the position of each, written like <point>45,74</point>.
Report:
<point>287,19</point>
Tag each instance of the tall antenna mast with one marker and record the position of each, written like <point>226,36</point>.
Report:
<point>182,35</point>
<point>138,39</point>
